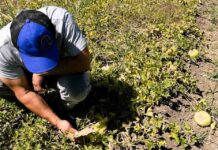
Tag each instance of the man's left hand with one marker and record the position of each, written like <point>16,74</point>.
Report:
<point>37,81</point>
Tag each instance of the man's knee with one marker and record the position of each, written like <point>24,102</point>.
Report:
<point>74,99</point>
<point>73,89</point>
<point>76,96</point>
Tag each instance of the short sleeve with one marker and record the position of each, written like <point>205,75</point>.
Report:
<point>10,62</point>
<point>74,40</point>
<point>10,72</point>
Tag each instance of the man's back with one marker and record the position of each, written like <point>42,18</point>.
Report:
<point>69,40</point>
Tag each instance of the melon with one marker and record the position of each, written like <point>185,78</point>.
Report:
<point>202,118</point>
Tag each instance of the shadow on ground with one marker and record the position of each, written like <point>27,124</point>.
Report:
<point>108,98</point>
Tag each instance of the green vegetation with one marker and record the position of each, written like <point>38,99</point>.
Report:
<point>213,14</point>
<point>139,49</point>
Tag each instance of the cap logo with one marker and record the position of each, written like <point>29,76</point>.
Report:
<point>46,41</point>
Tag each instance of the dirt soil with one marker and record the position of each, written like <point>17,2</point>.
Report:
<point>208,23</point>
<point>178,110</point>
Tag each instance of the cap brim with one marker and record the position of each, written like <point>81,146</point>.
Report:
<point>40,64</point>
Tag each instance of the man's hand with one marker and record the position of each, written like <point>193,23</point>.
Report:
<point>65,127</point>
<point>37,81</point>
<point>36,103</point>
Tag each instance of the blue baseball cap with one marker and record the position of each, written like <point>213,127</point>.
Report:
<point>37,47</point>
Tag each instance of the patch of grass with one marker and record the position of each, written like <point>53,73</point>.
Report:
<point>214,14</point>
<point>214,76</point>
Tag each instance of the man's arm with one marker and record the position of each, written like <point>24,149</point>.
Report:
<point>72,64</point>
<point>35,102</point>
<point>68,65</point>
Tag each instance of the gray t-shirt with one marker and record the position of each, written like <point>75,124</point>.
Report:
<point>70,42</point>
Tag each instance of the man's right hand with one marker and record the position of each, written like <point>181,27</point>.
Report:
<point>65,127</point>
<point>37,81</point>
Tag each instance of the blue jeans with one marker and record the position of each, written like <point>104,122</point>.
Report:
<point>72,88</point>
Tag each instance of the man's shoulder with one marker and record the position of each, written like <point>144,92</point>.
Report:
<point>54,12</point>
<point>6,45</point>
<point>5,35</point>
<point>7,50</point>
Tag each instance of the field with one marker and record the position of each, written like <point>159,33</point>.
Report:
<point>145,91</point>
